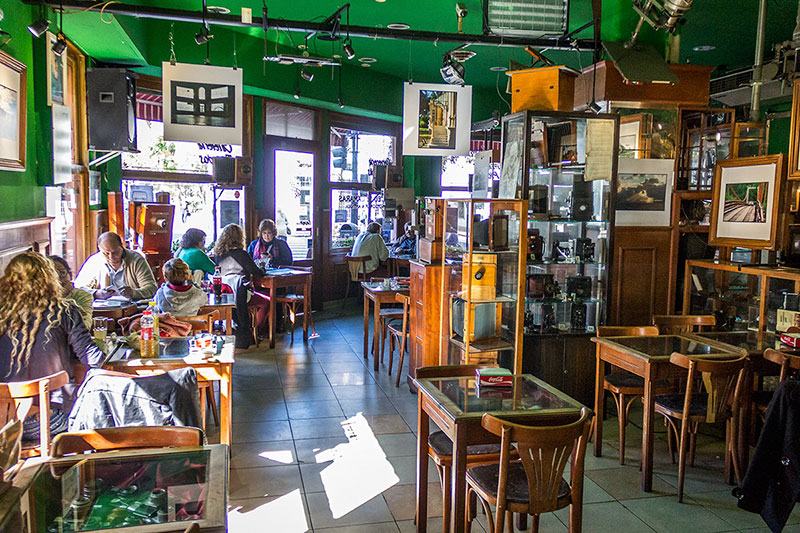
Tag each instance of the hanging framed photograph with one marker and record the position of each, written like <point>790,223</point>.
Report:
<point>13,112</point>
<point>437,119</point>
<point>794,134</point>
<point>644,192</point>
<point>56,73</point>
<point>745,205</point>
<point>202,103</point>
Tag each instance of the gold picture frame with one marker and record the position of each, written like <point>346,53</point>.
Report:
<point>794,135</point>
<point>747,194</point>
<point>13,112</point>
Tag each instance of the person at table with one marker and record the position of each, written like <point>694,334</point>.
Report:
<point>191,252</point>
<point>82,298</point>
<point>370,243</point>
<point>178,295</point>
<point>407,243</point>
<point>113,270</point>
<point>41,333</point>
<point>237,268</point>
<point>269,246</point>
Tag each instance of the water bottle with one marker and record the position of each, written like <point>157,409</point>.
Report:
<point>217,281</point>
<point>146,348</point>
<point>156,330</point>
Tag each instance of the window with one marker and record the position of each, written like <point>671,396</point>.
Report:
<point>457,172</point>
<point>290,121</point>
<point>351,211</point>
<point>352,151</point>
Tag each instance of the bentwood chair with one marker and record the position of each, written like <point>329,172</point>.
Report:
<point>534,484</point>
<point>721,383</point>
<point>205,324</point>
<point>623,386</point>
<point>356,270</point>
<point>400,335</point>
<point>293,302</point>
<point>677,324</point>
<point>440,447</point>
<point>126,438</point>
<point>20,399</point>
<point>761,399</point>
<point>386,316</point>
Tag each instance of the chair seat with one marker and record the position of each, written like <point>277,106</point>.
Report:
<point>443,446</point>
<point>673,403</point>
<point>486,477</point>
<point>391,312</point>
<point>627,380</point>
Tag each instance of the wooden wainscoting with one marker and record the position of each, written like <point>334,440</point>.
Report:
<point>22,236</point>
<point>641,274</point>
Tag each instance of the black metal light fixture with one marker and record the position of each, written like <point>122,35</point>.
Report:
<point>61,43</point>
<point>452,71</point>
<point>347,48</point>
<point>39,27</point>
<point>204,35</point>
<point>306,75</point>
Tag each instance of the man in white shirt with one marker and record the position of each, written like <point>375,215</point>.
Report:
<point>113,270</point>
<point>371,243</point>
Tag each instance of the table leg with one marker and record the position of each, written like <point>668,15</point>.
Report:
<point>376,328</point>
<point>225,396</point>
<point>458,481</point>
<point>422,467</point>
<point>306,307</point>
<point>647,431</point>
<point>273,313</point>
<point>599,404</point>
<point>228,320</point>
<point>366,323</point>
<point>745,417</point>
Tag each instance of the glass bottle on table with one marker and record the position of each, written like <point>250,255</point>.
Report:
<point>217,282</point>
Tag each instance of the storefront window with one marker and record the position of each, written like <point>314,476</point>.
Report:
<point>351,211</point>
<point>352,151</point>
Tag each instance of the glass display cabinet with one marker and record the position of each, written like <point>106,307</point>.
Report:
<point>566,169</point>
<point>483,269</point>
<point>704,137</point>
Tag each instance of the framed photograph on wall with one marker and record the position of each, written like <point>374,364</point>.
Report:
<point>13,112</point>
<point>202,103</point>
<point>437,119</point>
<point>794,134</point>
<point>634,135</point>
<point>745,207</point>
<point>56,73</point>
<point>644,192</point>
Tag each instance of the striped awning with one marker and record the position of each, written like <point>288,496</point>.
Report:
<point>148,106</point>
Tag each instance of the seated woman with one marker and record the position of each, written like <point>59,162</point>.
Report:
<point>41,333</point>
<point>193,244</point>
<point>178,296</point>
<point>83,299</point>
<point>237,267</point>
<point>269,246</point>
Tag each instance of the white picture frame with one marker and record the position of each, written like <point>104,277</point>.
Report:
<point>217,119</point>
<point>445,128</point>
<point>644,192</point>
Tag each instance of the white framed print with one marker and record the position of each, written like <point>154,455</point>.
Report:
<point>437,119</point>
<point>202,103</point>
<point>644,192</point>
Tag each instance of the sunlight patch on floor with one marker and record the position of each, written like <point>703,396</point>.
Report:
<point>279,456</point>
<point>285,514</point>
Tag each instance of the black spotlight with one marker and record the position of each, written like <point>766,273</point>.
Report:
<point>60,45</point>
<point>4,38</point>
<point>306,75</point>
<point>297,94</point>
<point>347,48</point>
<point>341,104</point>
<point>594,107</point>
<point>202,37</point>
<point>452,71</point>
<point>39,27</point>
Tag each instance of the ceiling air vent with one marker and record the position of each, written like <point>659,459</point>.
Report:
<point>527,18</point>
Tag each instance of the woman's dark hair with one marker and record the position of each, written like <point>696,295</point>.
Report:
<point>61,261</point>
<point>193,238</point>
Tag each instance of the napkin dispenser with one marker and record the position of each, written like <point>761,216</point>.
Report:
<point>494,377</point>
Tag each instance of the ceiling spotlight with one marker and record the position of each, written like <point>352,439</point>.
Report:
<point>218,10</point>
<point>341,104</point>
<point>202,37</point>
<point>498,69</point>
<point>297,94</point>
<point>594,107</point>
<point>39,27</point>
<point>306,75</point>
<point>704,48</point>
<point>60,45</point>
<point>452,71</point>
<point>347,48</point>
<point>398,26</point>
<point>368,60</point>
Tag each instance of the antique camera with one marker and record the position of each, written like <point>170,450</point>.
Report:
<point>584,250</point>
<point>537,205</point>
<point>548,318</point>
<point>582,206</point>
<point>498,233</point>
<point>537,284</point>
<point>551,288</point>
<point>535,244</point>
<point>562,250</point>
<point>579,287</point>
<point>578,318</point>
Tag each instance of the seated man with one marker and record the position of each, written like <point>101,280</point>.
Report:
<point>370,242</point>
<point>116,271</point>
<point>407,243</point>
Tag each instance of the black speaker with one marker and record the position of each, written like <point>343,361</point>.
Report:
<point>111,103</point>
<point>233,170</point>
<point>582,204</point>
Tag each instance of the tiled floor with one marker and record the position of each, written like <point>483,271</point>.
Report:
<point>322,443</point>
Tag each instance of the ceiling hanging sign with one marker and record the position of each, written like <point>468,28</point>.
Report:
<point>202,103</point>
<point>436,119</point>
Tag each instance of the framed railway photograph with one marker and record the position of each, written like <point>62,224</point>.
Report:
<point>745,208</point>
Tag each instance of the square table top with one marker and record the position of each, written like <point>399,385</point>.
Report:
<point>377,286</point>
<point>172,350</point>
<point>659,348</point>
<point>460,398</point>
<point>750,341</point>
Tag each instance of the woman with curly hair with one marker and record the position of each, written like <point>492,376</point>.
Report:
<point>41,333</point>
<point>237,268</point>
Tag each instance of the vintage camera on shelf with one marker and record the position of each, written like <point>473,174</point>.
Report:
<point>584,250</point>
<point>578,318</point>
<point>535,244</point>
<point>579,287</point>
<point>542,286</point>
<point>563,251</point>
<point>581,201</point>
<point>537,205</point>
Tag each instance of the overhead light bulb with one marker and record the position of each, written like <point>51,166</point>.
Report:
<point>60,45</point>
<point>39,27</point>
<point>347,48</point>
<point>306,75</point>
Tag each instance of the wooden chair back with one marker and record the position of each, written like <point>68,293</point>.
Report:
<point>201,323</point>
<point>544,452</point>
<point>721,380</point>
<point>785,360</point>
<point>126,438</point>
<point>357,266</point>
<point>19,399</point>
<point>447,371</point>
<point>627,331</point>
<point>677,324</point>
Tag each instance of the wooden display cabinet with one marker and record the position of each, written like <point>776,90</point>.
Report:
<point>704,137</point>
<point>425,317</point>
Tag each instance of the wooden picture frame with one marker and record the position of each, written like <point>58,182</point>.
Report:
<point>794,134</point>
<point>747,194</point>
<point>13,112</point>
<point>634,135</point>
<point>56,73</point>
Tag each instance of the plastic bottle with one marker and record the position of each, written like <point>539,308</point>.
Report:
<point>156,330</point>
<point>217,281</point>
<point>146,348</point>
